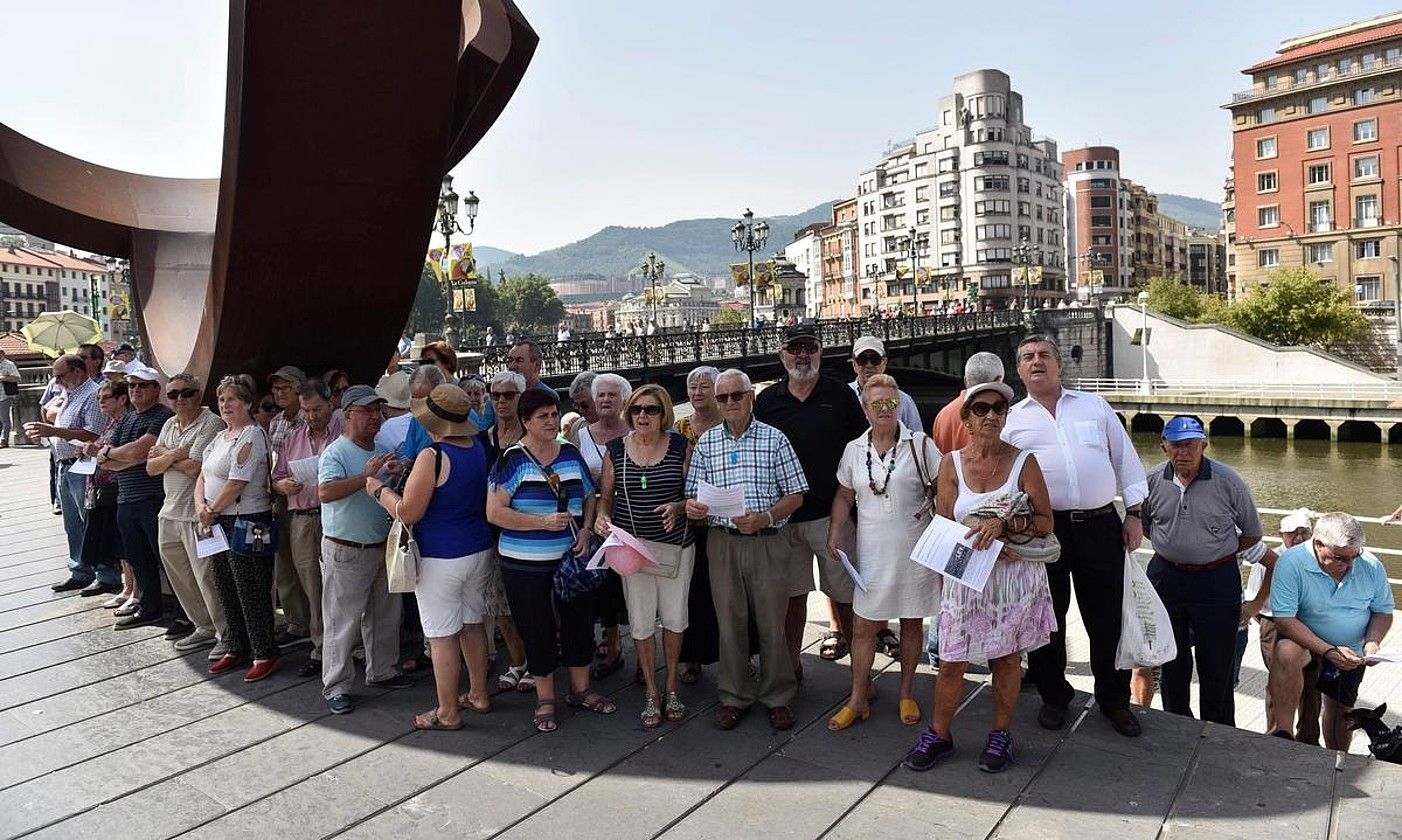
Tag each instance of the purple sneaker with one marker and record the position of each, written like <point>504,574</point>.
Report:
<point>928,751</point>
<point>997,753</point>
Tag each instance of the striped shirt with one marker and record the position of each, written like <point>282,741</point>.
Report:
<point>531,493</point>
<point>134,484</point>
<point>81,410</point>
<point>637,491</point>
<point>761,460</point>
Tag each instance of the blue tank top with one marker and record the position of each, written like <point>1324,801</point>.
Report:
<point>455,523</point>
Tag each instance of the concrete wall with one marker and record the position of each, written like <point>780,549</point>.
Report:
<point>1084,339</point>
<point>1182,351</point>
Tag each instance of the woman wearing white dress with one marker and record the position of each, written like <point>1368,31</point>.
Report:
<point>881,475</point>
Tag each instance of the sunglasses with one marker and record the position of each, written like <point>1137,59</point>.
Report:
<point>182,393</point>
<point>887,404</point>
<point>801,348</point>
<point>131,385</point>
<point>730,396</point>
<point>267,406</point>
<point>868,360</point>
<point>981,409</point>
<point>505,395</point>
<point>649,410</point>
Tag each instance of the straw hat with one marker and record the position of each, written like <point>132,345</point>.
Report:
<point>444,412</point>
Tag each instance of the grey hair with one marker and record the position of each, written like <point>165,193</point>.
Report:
<point>1339,530</point>
<point>983,367</point>
<point>510,377</point>
<point>186,377</point>
<point>625,389</point>
<point>1040,338</point>
<point>430,375</point>
<point>744,378</point>
<point>707,371</point>
<point>582,384</point>
<point>314,388</point>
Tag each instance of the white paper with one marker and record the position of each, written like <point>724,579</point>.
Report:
<point>215,543</point>
<point>597,561</point>
<point>727,502</point>
<point>1383,656</point>
<point>618,537</point>
<point>944,549</point>
<point>304,470</point>
<point>83,466</point>
<point>852,570</point>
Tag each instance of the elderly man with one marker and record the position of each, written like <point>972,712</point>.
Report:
<point>949,432</point>
<point>79,421</point>
<point>296,610</point>
<point>356,604</point>
<point>1086,458</point>
<point>94,359</point>
<point>1295,529</point>
<point>177,459</point>
<point>141,495</point>
<point>820,417</point>
<point>124,353</point>
<point>9,391</point>
<point>869,359</point>
<point>307,441</point>
<point>748,553</point>
<point>1332,606</point>
<point>397,391</point>
<point>1199,515</point>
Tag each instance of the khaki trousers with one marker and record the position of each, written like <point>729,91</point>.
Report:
<point>1307,713</point>
<point>750,581</point>
<point>191,577</point>
<point>305,537</point>
<point>356,605</point>
<point>294,600</point>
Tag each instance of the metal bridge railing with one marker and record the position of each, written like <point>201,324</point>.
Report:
<point>1363,391</point>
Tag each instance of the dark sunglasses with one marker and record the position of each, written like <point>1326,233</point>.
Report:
<point>267,406</point>
<point>981,409</point>
<point>505,395</point>
<point>730,396</point>
<point>868,359</point>
<point>182,393</point>
<point>649,410</point>
<point>801,347</point>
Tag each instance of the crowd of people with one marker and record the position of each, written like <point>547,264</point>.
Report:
<point>270,521</point>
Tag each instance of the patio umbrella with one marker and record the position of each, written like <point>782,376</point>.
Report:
<point>56,333</point>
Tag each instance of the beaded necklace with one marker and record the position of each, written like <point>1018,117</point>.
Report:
<point>890,467</point>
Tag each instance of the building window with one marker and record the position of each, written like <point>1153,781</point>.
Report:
<point>949,214</point>
<point>1319,216</point>
<point>1391,54</point>
<point>1365,131</point>
<point>991,182</point>
<point>948,188</point>
<point>994,231</point>
<point>986,255</point>
<point>1102,202</point>
<point>1301,75</point>
<point>1271,81</point>
<point>1268,257</point>
<point>1321,253</point>
<point>992,208</point>
<point>1266,182</point>
<point>1365,167</point>
<point>1265,148</point>
<point>1317,138</point>
<point>1368,287</point>
<point>990,158</point>
<point>1101,221</point>
<point>1365,211</point>
<point>1317,173</point>
<point>1368,249</point>
<point>1321,72</point>
<point>1265,115</point>
<point>1268,216</point>
<point>1318,104</point>
<point>1369,60</point>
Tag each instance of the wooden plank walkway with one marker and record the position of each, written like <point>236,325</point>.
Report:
<point>115,735</point>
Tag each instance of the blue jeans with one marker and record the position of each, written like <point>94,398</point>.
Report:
<point>70,499</point>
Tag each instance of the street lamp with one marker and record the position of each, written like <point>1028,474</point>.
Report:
<point>1144,386</point>
<point>1023,255</point>
<point>874,277</point>
<point>913,251</point>
<point>1397,306</point>
<point>652,269</point>
<point>447,224</point>
<point>749,236</point>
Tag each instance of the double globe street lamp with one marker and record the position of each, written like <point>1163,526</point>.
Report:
<point>652,269</point>
<point>1024,255</point>
<point>447,224</point>
<point>750,236</point>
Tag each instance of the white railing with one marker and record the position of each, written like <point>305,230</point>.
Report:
<point>1372,391</point>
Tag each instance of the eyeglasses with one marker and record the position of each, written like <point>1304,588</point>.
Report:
<point>649,410</point>
<point>868,360</point>
<point>182,393</point>
<point>730,396</point>
<point>142,384</point>
<point>799,348</point>
<point>981,409</point>
<point>505,395</point>
<point>887,404</point>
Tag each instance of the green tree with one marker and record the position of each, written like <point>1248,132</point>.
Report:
<point>529,305</point>
<point>1175,298</point>
<point>1294,308</point>
<point>728,318</point>
<point>429,306</point>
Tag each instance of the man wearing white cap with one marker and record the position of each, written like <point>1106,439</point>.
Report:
<point>1295,528</point>
<point>869,359</point>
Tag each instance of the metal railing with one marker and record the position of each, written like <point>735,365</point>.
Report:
<point>1372,391</point>
<point>1379,66</point>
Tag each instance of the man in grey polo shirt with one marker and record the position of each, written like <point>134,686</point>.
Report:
<point>1199,515</point>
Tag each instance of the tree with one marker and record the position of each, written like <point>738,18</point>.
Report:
<point>429,306</point>
<point>728,318</point>
<point>1293,308</point>
<point>1175,298</point>
<point>529,305</point>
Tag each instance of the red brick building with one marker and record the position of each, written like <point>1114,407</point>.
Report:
<point>841,254</point>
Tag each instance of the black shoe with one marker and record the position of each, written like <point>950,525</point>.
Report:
<point>310,668</point>
<point>99,588</point>
<point>929,751</point>
<point>179,630</point>
<point>1125,722</point>
<point>998,753</point>
<point>286,639</point>
<point>70,585</point>
<point>130,621</point>
<point>396,681</point>
<point>1051,716</point>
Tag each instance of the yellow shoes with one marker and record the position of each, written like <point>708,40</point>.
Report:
<point>845,717</point>
<point>910,712</point>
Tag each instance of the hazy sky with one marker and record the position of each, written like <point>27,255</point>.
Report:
<point>639,113</point>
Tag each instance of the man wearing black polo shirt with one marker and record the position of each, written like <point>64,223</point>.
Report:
<point>819,415</point>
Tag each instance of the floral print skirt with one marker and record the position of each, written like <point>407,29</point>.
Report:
<point>1013,614</point>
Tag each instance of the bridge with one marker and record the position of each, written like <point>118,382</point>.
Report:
<point>1345,411</point>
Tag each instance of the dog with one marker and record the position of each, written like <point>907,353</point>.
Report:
<point>1385,744</point>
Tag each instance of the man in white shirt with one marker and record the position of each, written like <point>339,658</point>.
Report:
<point>1086,458</point>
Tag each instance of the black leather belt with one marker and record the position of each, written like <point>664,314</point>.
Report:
<point>316,511</point>
<point>349,544</point>
<point>762,532</point>
<point>1086,515</point>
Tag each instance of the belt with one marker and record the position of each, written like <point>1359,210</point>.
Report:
<point>1086,515</point>
<point>316,511</point>
<point>1194,568</point>
<point>762,532</point>
<point>349,544</point>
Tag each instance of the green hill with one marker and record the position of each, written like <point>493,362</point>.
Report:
<point>1194,212</point>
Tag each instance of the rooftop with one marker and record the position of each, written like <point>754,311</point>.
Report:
<point>1331,40</point>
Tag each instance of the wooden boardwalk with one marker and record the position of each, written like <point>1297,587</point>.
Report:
<point>115,735</point>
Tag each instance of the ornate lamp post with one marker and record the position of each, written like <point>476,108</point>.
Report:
<point>750,236</point>
<point>447,224</point>
<point>874,277</point>
<point>1023,255</point>
<point>913,251</point>
<point>652,269</point>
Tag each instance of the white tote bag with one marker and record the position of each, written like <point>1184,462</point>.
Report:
<point>401,557</point>
<point>1146,635</point>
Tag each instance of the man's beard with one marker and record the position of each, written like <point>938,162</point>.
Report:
<point>801,374</point>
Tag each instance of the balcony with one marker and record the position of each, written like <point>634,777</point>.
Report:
<point>1380,67</point>
<point>1367,222</point>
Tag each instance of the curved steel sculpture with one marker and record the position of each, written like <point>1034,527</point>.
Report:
<point>341,118</point>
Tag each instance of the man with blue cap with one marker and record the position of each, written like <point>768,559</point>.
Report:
<point>1200,516</point>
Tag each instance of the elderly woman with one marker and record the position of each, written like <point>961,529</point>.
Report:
<point>1000,489</point>
<point>701,644</point>
<point>541,495</point>
<point>233,486</point>
<point>884,474</point>
<point>582,398</point>
<point>445,499</point>
<point>609,391</point>
<point>102,544</point>
<point>506,430</point>
<point>642,491</point>
<point>264,411</point>
<point>439,354</point>
<point>476,389</point>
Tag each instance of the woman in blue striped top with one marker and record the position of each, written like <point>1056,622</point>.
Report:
<point>541,496</point>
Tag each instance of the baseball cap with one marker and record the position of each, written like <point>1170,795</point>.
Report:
<point>124,347</point>
<point>1000,387</point>
<point>1183,428</point>
<point>868,342</point>
<point>394,388</point>
<point>291,374</point>
<point>799,331</point>
<point>1295,520</point>
<point>115,367</point>
<point>360,395</point>
<point>136,370</point>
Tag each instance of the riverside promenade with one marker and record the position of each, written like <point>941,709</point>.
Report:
<point>115,735</point>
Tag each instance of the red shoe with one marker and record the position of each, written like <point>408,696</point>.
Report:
<point>224,663</point>
<point>261,668</point>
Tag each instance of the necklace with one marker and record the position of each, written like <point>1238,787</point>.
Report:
<point>890,467</point>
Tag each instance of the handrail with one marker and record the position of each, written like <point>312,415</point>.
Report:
<point>1380,390</point>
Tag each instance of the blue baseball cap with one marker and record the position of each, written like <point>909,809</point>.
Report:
<point>1183,428</point>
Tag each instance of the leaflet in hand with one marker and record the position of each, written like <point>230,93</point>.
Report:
<point>852,570</point>
<point>83,466</point>
<point>304,470</point>
<point>944,549</point>
<point>619,538</point>
<point>727,502</point>
<point>1383,656</point>
<point>208,545</point>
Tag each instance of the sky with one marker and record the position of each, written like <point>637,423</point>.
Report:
<point>636,113</point>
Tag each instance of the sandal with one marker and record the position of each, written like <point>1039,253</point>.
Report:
<point>889,643</point>
<point>690,674</point>
<point>511,679</point>
<point>527,683</point>
<point>545,721</point>
<point>674,708</point>
<point>596,703</point>
<point>601,651</point>
<point>430,721</point>
<point>465,702</point>
<point>910,711</point>
<point>845,717</point>
<point>652,715</point>
<point>606,667</point>
<point>416,664</point>
<point>834,646</point>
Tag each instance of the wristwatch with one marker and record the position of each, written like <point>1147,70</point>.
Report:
<point>104,454</point>
<point>378,490</point>
<point>1137,513</point>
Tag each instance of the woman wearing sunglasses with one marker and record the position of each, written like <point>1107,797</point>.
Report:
<point>999,489</point>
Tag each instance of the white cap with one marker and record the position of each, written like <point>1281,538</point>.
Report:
<point>136,370</point>
<point>1296,519</point>
<point>988,386</point>
<point>868,342</point>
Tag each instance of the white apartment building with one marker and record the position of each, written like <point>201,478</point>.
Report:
<point>974,188</point>
<point>806,253</point>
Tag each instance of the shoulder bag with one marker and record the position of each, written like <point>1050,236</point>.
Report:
<point>401,549</point>
<point>573,578</point>
<point>669,557</point>
<point>255,537</point>
<point>927,476</point>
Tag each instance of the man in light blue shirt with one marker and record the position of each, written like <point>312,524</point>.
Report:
<point>1332,604</point>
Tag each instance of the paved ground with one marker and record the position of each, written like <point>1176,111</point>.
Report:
<point>114,735</point>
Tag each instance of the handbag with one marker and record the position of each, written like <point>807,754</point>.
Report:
<point>668,556</point>
<point>927,480</point>
<point>11,389</point>
<point>1146,634</point>
<point>573,578</point>
<point>253,538</point>
<point>401,556</point>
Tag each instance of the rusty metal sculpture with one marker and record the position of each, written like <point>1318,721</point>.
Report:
<point>341,118</point>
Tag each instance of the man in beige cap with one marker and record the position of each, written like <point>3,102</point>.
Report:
<point>869,359</point>
<point>394,388</point>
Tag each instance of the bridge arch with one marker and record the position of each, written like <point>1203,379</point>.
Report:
<point>1227,426</point>
<point>1363,431</point>
<point>1269,427</point>
<point>1145,421</point>
<point>1312,430</point>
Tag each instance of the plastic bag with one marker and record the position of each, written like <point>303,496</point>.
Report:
<point>1146,634</point>
<point>401,558</point>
